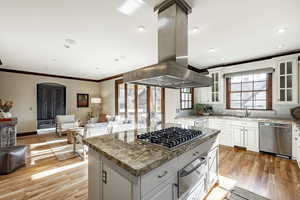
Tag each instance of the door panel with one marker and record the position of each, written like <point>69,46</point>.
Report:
<point>238,136</point>
<point>115,186</point>
<point>252,138</point>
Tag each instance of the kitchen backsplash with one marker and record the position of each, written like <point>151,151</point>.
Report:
<point>279,111</point>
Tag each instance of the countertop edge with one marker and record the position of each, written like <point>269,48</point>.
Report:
<point>173,154</point>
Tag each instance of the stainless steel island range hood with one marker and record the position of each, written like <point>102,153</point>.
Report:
<point>172,70</point>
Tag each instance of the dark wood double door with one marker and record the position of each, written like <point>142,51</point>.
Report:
<point>51,101</point>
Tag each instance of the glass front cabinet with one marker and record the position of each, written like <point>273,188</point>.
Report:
<point>215,92</point>
<point>287,81</point>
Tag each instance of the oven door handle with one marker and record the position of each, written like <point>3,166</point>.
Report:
<point>186,173</point>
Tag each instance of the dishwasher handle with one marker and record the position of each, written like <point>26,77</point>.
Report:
<point>274,125</point>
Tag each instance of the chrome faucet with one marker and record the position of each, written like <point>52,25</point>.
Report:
<point>247,113</point>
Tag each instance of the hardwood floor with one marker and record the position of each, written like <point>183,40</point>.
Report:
<point>44,177</point>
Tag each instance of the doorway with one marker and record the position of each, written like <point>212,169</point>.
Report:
<point>51,101</point>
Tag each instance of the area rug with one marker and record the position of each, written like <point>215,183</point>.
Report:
<point>61,148</point>
<point>238,193</point>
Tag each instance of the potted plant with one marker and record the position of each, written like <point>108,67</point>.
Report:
<point>5,108</point>
<point>199,108</point>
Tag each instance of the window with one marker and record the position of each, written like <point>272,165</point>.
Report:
<point>138,102</point>
<point>186,98</point>
<point>252,91</point>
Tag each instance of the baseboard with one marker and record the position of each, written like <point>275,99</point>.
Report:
<point>26,133</point>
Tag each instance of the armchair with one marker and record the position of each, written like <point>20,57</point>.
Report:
<point>65,122</point>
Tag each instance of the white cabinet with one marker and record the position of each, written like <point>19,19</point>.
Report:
<point>212,167</point>
<point>167,190</point>
<point>224,126</point>
<point>296,143</point>
<point>238,136</point>
<point>112,181</point>
<point>215,92</point>
<point>251,139</point>
<point>246,137</point>
<point>287,83</point>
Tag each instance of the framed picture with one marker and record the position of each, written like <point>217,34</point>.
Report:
<point>82,100</point>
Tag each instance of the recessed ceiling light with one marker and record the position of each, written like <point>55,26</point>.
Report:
<point>195,29</point>
<point>212,50</point>
<point>66,46</point>
<point>141,28</point>
<point>282,30</point>
<point>70,41</point>
<point>281,46</point>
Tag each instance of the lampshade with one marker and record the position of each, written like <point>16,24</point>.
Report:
<point>96,100</point>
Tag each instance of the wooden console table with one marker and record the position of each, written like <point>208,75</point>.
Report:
<point>8,132</point>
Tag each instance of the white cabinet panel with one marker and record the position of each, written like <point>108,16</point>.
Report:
<point>212,167</point>
<point>251,135</point>
<point>238,136</point>
<point>112,181</point>
<point>166,190</point>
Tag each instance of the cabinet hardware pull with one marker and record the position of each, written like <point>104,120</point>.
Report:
<point>104,176</point>
<point>165,173</point>
<point>174,187</point>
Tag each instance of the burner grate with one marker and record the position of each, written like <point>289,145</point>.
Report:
<point>170,137</point>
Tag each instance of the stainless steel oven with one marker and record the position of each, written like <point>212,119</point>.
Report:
<point>191,176</point>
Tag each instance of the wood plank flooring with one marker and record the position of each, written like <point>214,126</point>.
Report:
<point>44,177</point>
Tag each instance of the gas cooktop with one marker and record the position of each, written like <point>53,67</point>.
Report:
<point>170,137</point>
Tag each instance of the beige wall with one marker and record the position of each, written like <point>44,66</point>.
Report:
<point>107,94</point>
<point>21,89</point>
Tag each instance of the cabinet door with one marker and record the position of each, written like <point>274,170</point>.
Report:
<point>287,81</point>
<point>166,190</point>
<point>215,91</point>
<point>298,153</point>
<point>238,136</point>
<point>251,135</point>
<point>212,167</point>
<point>114,185</point>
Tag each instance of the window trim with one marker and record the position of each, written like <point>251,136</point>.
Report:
<point>269,93</point>
<point>192,101</point>
<point>148,93</point>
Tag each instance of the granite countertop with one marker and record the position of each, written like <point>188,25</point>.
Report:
<point>255,119</point>
<point>138,157</point>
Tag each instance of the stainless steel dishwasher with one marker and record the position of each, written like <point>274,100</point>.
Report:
<point>275,138</point>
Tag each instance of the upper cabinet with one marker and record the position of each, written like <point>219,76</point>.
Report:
<point>215,92</point>
<point>287,73</point>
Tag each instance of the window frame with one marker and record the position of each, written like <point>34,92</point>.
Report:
<point>148,93</point>
<point>269,93</point>
<point>192,96</point>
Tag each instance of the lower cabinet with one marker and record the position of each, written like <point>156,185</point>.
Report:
<point>213,169</point>
<point>112,181</point>
<point>245,137</point>
<point>238,136</point>
<point>166,190</point>
<point>252,139</point>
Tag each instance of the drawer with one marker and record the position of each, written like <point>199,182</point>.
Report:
<point>189,156</point>
<point>245,123</point>
<point>154,178</point>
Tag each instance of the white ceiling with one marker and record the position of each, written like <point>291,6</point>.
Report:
<point>33,33</point>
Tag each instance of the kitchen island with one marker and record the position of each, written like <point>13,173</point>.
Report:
<point>124,167</point>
